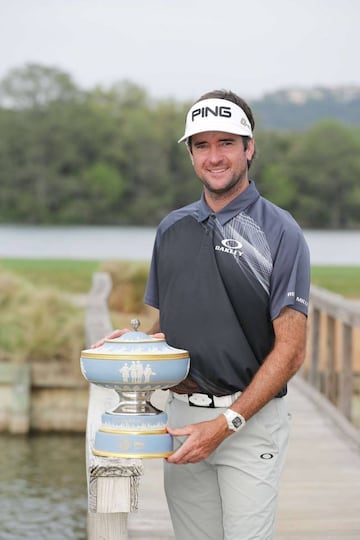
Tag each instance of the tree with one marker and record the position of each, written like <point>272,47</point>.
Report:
<point>324,164</point>
<point>111,156</point>
<point>35,87</point>
<point>270,168</point>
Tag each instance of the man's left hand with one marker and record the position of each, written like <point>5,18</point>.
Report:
<point>202,439</point>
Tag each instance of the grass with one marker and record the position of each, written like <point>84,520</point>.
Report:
<point>70,276</point>
<point>37,323</point>
<point>344,280</point>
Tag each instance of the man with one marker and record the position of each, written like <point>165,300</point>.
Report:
<point>230,277</point>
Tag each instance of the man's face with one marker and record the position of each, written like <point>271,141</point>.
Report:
<point>220,162</point>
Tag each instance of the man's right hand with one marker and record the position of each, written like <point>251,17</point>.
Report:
<point>115,334</point>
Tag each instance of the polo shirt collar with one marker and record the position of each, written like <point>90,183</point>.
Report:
<point>237,205</point>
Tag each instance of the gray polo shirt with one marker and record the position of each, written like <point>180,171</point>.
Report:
<point>219,280</point>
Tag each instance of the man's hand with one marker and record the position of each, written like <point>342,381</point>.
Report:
<point>118,333</point>
<point>202,439</point>
<point>115,334</point>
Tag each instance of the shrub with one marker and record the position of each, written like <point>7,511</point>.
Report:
<point>38,324</point>
<point>129,281</point>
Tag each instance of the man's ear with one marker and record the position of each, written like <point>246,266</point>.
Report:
<point>250,149</point>
<point>190,153</point>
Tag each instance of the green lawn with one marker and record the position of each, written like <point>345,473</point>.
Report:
<point>344,280</point>
<point>75,276</point>
<point>66,275</point>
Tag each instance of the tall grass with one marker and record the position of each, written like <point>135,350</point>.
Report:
<point>37,323</point>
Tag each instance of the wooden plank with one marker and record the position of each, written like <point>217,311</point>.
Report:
<point>315,348</point>
<point>112,483</point>
<point>107,526</point>
<point>347,311</point>
<point>346,373</point>
<point>330,373</point>
<point>21,397</point>
<point>319,492</point>
<point>334,416</point>
<point>97,317</point>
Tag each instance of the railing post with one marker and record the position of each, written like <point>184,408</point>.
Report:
<point>315,348</point>
<point>346,372</point>
<point>112,483</point>
<point>330,373</point>
<point>20,417</point>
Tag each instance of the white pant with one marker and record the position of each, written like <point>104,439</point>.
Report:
<point>231,495</point>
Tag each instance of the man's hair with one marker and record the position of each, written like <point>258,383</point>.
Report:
<point>234,98</point>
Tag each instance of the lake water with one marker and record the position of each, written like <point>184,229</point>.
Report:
<point>43,494</point>
<point>135,243</point>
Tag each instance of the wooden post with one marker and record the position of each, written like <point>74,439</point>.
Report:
<point>330,373</point>
<point>112,483</point>
<point>346,373</point>
<point>21,396</point>
<point>315,347</point>
<point>15,382</point>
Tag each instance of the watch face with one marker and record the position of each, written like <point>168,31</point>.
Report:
<point>237,422</point>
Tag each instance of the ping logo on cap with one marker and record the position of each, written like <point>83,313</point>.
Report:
<point>223,111</point>
<point>216,115</point>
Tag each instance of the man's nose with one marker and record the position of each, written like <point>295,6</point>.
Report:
<point>215,154</point>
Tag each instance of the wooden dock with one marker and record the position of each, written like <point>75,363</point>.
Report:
<point>320,490</point>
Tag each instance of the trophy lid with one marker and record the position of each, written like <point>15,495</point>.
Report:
<point>135,345</point>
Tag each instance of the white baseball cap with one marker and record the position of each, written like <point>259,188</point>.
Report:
<point>216,115</point>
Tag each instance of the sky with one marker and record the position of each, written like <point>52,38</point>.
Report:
<point>181,49</point>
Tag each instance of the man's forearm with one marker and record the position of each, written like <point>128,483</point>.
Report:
<point>281,364</point>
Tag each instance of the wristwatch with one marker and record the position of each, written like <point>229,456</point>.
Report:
<point>235,421</point>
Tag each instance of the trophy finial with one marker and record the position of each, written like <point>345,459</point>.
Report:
<point>135,323</point>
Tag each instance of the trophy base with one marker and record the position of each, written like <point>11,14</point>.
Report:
<point>133,445</point>
<point>133,436</point>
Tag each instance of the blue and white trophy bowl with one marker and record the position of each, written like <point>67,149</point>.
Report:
<point>134,365</point>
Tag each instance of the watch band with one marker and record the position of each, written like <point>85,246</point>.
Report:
<point>235,421</point>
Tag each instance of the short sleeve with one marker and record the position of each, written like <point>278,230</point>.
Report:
<point>151,297</point>
<point>290,280</point>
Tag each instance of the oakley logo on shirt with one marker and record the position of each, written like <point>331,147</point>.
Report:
<point>231,246</point>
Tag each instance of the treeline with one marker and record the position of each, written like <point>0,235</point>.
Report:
<point>300,109</point>
<point>110,156</point>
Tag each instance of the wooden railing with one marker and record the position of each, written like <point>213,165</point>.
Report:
<point>112,483</point>
<point>332,366</point>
